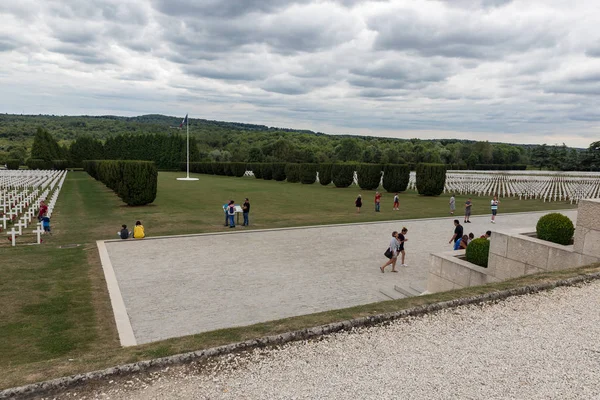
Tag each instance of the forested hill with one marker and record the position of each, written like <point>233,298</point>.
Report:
<point>66,128</point>
<point>233,141</point>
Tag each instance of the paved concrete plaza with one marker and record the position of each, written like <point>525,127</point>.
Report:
<point>178,286</point>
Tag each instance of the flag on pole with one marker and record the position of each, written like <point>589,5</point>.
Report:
<point>181,125</point>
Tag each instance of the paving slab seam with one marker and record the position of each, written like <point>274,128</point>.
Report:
<point>122,320</point>
<point>61,384</point>
<point>318,226</point>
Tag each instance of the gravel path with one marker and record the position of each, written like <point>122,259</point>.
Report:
<point>542,346</point>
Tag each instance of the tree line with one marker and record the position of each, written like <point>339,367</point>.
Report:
<point>152,137</point>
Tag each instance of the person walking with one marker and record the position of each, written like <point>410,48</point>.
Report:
<point>393,251</point>
<point>401,239</point>
<point>377,201</point>
<point>396,202</point>
<point>46,223</point>
<point>452,203</point>
<point>494,204</point>
<point>231,213</point>
<point>468,205</point>
<point>246,211</point>
<point>358,204</point>
<point>458,234</point>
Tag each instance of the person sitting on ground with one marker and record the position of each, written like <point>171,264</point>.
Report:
<point>138,231</point>
<point>464,242</point>
<point>487,235</point>
<point>471,237</point>
<point>124,233</point>
<point>46,223</point>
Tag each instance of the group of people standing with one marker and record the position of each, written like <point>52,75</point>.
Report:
<point>469,204</point>
<point>359,203</point>
<point>229,209</point>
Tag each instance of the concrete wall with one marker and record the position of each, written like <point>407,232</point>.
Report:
<point>514,254</point>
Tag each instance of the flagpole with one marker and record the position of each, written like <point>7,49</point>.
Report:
<point>187,128</point>
<point>188,146</point>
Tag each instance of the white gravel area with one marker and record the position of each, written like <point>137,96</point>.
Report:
<point>541,346</point>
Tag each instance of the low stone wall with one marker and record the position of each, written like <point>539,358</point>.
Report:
<point>517,253</point>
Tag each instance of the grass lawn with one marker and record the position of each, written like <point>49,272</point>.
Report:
<point>55,314</point>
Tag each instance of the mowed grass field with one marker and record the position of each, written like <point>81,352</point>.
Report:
<point>55,313</point>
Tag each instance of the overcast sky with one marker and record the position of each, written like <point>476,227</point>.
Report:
<point>515,71</point>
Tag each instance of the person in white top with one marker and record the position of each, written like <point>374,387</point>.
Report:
<point>394,252</point>
<point>494,204</point>
<point>396,202</point>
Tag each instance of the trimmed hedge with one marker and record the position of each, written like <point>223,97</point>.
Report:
<point>135,182</point>
<point>308,173</point>
<point>13,163</point>
<point>325,174</point>
<point>267,171</point>
<point>555,228</point>
<point>478,252</point>
<point>257,170</point>
<point>36,163</point>
<point>342,175</point>
<point>396,177</point>
<point>279,171</point>
<point>60,164</point>
<point>368,176</point>
<point>238,169</point>
<point>218,168</point>
<point>431,179</point>
<point>292,172</point>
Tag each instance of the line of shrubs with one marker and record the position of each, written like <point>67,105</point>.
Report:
<point>135,182</point>
<point>369,176</point>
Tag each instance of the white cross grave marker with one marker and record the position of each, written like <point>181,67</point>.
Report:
<point>38,232</point>
<point>13,240</point>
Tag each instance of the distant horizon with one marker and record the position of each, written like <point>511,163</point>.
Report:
<point>372,134</point>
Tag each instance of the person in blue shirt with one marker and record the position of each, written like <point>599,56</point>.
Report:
<point>46,223</point>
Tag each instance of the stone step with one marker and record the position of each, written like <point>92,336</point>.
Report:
<point>417,287</point>
<point>406,291</point>
<point>391,294</point>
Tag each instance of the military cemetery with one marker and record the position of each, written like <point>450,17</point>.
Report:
<point>299,199</point>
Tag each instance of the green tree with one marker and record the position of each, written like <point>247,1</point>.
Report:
<point>45,147</point>
<point>540,156</point>
<point>348,150</point>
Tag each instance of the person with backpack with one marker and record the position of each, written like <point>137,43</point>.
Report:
<point>138,231</point>
<point>231,213</point>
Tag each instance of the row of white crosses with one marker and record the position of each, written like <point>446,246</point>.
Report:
<point>20,196</point>
<point>571,186</point>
